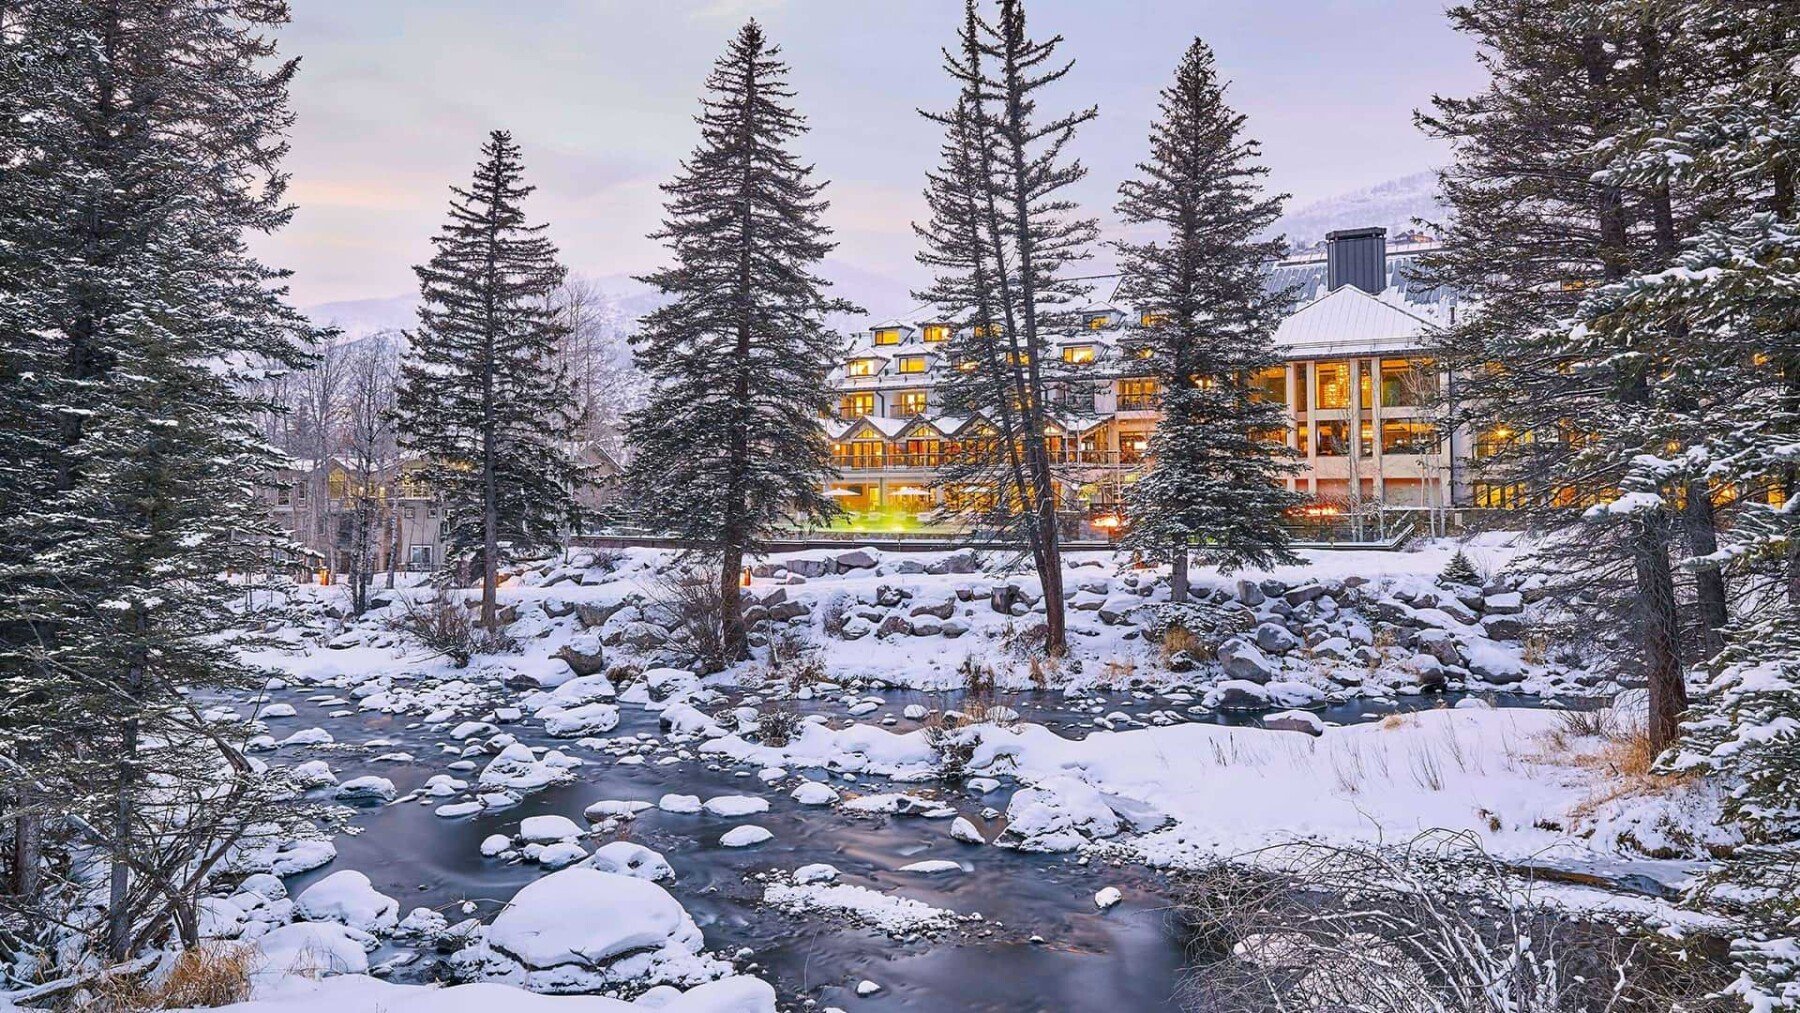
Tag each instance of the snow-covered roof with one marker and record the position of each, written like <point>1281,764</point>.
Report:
<point>1349,321</point>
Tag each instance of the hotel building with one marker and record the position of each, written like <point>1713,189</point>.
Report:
<point>1356,383</point>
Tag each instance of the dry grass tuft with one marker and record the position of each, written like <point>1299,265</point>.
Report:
<point>216,974</point>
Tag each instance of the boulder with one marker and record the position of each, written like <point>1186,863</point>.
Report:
<point>954,628</point>
<point>1118,609</point>
<point>1303,594</point>
<point>940,610</point>
<point>584,655</point>
<point>1249,593</point>
<point>1503,627</point>
<point>960,561</point>
<point>855,559</point>
<point>809,567</point>
<point>1295,721</point>
<point>1241,660</point>
<point>1239,695</point>
<point>1440,644</point>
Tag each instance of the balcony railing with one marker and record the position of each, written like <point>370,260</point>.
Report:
<point>1138,402</point>
<point>902,462</point>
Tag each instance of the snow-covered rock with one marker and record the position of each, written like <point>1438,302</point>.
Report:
<point>1057,814</point>
<point>731,806</point>
<point>628,859</point>
<point>347,897</point>
<point>745,836</point>
<point>549,829</point>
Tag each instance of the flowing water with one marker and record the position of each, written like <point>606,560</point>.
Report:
<point>1041,944</point>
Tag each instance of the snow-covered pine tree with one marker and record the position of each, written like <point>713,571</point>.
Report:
<point>1733,289</point>
<point>1206,320</point>
<point>1019,171</point>
<point>1460,570</point>
<point>483,398</point>
<point>728,443</point>
<point>1561,412</point>
<point>143,144</point>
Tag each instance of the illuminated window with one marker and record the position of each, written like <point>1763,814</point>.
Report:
<point>1270,385</point>
<point>337,486</point>
<point>862,367</point>
<point>1019,358</point>
<point>1494,442</point>
<point>1098,322</point>
<point>887,336</point>
<point>966,365</point>
<point>867,452</point>
<point>1331,384</point>
<point>1333,439</point>
<point>1133,447</point>
<point>855,406</point>
<point>1078,354</point>
<point>935,333</point>
<point>1366,385</point>
<point>986,330</point>
<point>912,364</point>
<point>1137,395</point>
<point>924,453</point>
<point>1407,383</point>
<point>1302,385</point>
<point>1405,437</point>
<point>1497,496</point>
<point>910,403</point>
<point>1153,319</point>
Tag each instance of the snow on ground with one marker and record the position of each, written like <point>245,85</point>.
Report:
<point>359,993</point>
<point>1165,789</point>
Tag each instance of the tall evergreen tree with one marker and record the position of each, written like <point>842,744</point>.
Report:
<point>726,445</point>
<point>1566,410</point>
<point>484,397</point>
<point>143,143</point>
<point>1219,452</point>
<point>1016,170</point>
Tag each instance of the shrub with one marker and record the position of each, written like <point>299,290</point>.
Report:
<point>449,628</point>
<point>776,723</point>
<point>1206,626</point>
<point>692,600</point>
<point>215,974</point>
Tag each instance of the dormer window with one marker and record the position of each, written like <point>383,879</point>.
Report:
<point>911,364</point>
<point>1078,354</point>
<point>935,333</point>
<point>862,367</point>
<point>1099,321</point>
<point>887,335</point>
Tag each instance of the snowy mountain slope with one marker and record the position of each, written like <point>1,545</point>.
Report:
<point>1392,205</point>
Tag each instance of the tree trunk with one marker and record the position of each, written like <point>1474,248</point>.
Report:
<point>1178,573</point>
<point>26,855</point>
<point>1703,540</point>
<point>736,638</point>
<point>1660,631</point>
<point>118,904</point>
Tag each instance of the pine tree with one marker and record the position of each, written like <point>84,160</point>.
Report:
<point>483,397</point>
<point>1568,410</point>
<point>1205,329</point>
<point>1459,570</point>
<point>143,144</point>
<point>1015,169</point>
<point>727,445</point>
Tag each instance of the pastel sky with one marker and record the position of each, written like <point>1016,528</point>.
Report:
<point>394,97</point>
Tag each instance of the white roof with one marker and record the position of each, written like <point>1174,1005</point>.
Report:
<point>1349,321</point>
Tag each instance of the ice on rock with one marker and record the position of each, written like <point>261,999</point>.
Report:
<point>443,785</point>
<point>584,918</point>
<point>347,897</point>
<point>561,855</point>
<point>370,789</point>
<point>730,806</point>
<point>588,719</point>
<point>1058,814</point>
<point>612,808</point>
<point>966,831</point>
<point>673,803</point>
<point>815,793</point>
<point>518,768</point>
<point>1107,897</point>
<point>313,774</point>
<point>866,987</point>
<point>549,829</point>
<point>628,859</point>
<point>745,836</point>
<point>309,737</point>
<point>932,866</point>
<point>818,872</point>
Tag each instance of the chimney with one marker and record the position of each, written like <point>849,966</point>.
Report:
<point>1356,257</point>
